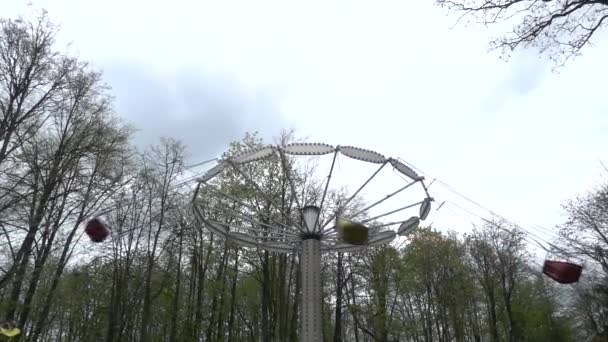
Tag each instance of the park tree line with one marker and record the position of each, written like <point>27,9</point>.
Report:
<point>65,156</point>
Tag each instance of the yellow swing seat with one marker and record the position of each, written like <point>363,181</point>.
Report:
<point>9,330</point>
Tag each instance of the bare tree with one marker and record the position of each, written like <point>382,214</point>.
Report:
<point>586,230</point>
<point>33,79</point>
<point>484,262</point>
<point>585,236</point>
<point>559,28</point>
<point>127,221</point>
<point>507,244</point>
<point>76,163</point>
<point>162,166</point>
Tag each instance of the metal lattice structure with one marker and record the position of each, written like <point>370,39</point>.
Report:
<point>314,229</point>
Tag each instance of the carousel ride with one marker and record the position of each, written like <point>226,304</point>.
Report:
<point>312,225</point>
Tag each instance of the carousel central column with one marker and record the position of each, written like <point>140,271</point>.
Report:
<point>311,330</point>
<point>311,291</point>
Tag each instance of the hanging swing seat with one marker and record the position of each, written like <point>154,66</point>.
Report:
<point>96,230</point>
<point>9,329</point>
<point>563,272</point>
<point>353,233</point>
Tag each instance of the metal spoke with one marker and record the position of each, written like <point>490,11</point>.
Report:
<point>382,200</point>
<point>289,179</point>
<point>230,197</point>
<point>247,218</point>
<point>241,203</point>
<point>331,230</point>
<point>385,225</point>
<point>278,232</point>
<point>283,235</point>
<point>330,236</point>
<point>377,202</point>
<point>333,216</point>
<point>258,188</point>
<point>391,212</point>
<point>286,241</point>
<point>331,170</point>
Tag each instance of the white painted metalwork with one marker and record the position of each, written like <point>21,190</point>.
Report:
<point>214,171</point>
<point>311,292</point>
<point>362,154</point>
<point>408,226</point>
<point>277,247</point>
<point>406,170</point>
<point>425,208</point>
<point>381,238</point>
<point>244,239</point>
<point>310,216</point>
<point>265,224</point>
<point>342,247</point>
<point>308,149</point>
<point>253,155</point>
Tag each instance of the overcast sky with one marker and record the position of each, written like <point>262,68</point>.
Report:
<point>391,76</point>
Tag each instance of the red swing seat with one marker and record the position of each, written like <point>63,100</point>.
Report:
<point>563,272</point>
<point>96,230</point>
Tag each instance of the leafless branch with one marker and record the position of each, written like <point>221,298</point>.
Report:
<point>558,28</point>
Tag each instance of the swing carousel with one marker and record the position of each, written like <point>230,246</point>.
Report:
<point>316,226</point>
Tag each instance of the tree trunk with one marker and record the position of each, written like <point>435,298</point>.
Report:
<point>16,289</point>
<point>145,316</point>
<point>353,296</point>
<point>293,337</point>
<point>202,273</point>
<point>35,277</point>
<point>492,314</point>
<point>220,319</point>
<point>178,282</point>
<point>233,296</point>
<point>266,337</point>
<point>282,309</point>
<point>220,273</point>
<point>513,328</point>
<point>114,302</point>
<point>39,262</point>
<point>338,326</point>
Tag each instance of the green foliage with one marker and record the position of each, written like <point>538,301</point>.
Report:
<point>437,287</point>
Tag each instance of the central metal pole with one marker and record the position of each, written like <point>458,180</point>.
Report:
<point>311,330</point>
